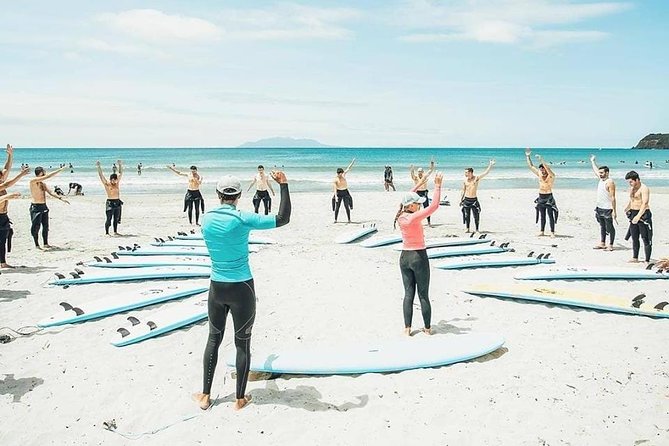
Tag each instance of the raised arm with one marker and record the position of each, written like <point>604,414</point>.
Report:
<point>9,183</point>
<point>350,166</point>
<point>534,170</point>
<point>8,163</point>
<point>176,171</point>
<point>47,176</point>
<point>120,170</point>
<point>594,165</point>
<point>434,204</point>
<point>412,172</point>
<point>58,197</point>
<point>285,208</point>
<point>543,162</point>
<point>487,170</point>
<point>103,180</point>
<point>431,169</point>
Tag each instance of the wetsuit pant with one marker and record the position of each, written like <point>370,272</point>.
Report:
<point>238,298</point>
<point>113,211</point>
<point>192,199</point>
<point>471,206</point>
<point>605,219</point>
<point>345,196</point>
<point>546,205</point>
<point>643,229</point>
<point>39,216</point>
<point>426,203</point>
<point>415,269</point>
<point>262,195</point>
<point>6,232</point>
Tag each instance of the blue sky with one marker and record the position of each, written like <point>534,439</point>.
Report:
<point>451,73</point>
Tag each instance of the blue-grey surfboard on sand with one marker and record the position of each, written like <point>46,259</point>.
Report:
<point>445,242</point>
<point>595,274</point>
<point>139,327</point>
<point>383,240</point>
<point>131,274</point>
<point>172,251</point>
<point>80,310</point>
<point>375,356</point>
<point>464,251</point>
<point>253,239</point>
<point>355,234</point>
<point>148,261</point>
<point>493,263</point>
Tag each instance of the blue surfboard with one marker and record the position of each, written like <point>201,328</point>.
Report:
<point>130,274</point>
<point>464,251</point>
<point>493,263</point>
<point>595,274</point>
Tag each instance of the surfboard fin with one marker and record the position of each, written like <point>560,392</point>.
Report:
<point>530,254</point>
<point>650,266</point>
<point>59,275</point>
<point>540,256</point>
<point>492,243</point>
<point>108,260</point>
<point>661,306</point>
<point>482,236</point>
<point>75,275</point>
<point>78,271</point>
<point>181,233</point>
<point>123,332</point>
<point>547,255</point>
<point>121,248</point>
<point>78,311</point>
<point>639,297</point>
<point>133,320</point>
<point>170,238</point>
<point>156,239</point>
<point>162,240</point>
<point>114,255</point>
<point>638,300</point>
<point>97,259</point>
<point>152,325</point>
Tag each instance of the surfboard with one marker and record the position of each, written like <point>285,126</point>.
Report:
<point>103,276</point>
<point>595,274</point>
<point>465,251</point>
<point>445,242</point>
<point>253,239</point>
<point>172,251</point>
<point>147,261</point>
<point>493,263</point>
<point>139,327</point>
<point>383,240</point>
<point>375,356</point>
<point>355,234</point>
<point>640,305</point>
<point>117,302</point>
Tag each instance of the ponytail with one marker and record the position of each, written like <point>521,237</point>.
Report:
<point>398,216</point>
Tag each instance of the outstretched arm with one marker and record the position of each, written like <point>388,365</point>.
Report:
<point>534,170</point>
<point>594,165</point>
<point>9,183</point>
<point>103,180</point>
<point>350,166</point>
<point>285,208</point>
<point>176,171</point>
<point>431,169</point>
<point>120,170</point>
<point>47,176</point>
<point>10,197</point>
<point>434,205</point>
<point>48,191</point>
<point>412,172</point>
<point>253,181</point>
<point>487,171</point>
<point>8,163</point>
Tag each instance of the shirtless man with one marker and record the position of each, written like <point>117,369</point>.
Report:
<point>640,217</point>
<point>39,212</point>
<point>341,193</point>
<point>469,201</point>
<point>545,202</point>
<point>261,183</point>
<point>193,197</point>
<point>114,204</point>
<point>605,212</point>
<point>6,230</point>
<point>419,179</point>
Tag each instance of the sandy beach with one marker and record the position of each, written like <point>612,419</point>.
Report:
<point>564,377</point>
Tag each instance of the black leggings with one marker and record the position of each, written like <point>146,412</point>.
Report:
<point>39,215</point>
<point>605,219</point>
<point>426,203</point>
<point>644,230</point>
<point>415,268</point>
<point>546,208</point>
<point>239,298</point>
<point>113,211</point>
<point>345,196</point>
<point>192,199</point>
<point>471,206</point>
<point>5,237</point>
<point>262,195</point>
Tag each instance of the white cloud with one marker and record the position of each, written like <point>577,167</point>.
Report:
<point>158,27</point>
<point>532,22</point>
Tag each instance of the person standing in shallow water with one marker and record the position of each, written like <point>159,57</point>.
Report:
<point>226,233</point>
<point>341,193</point>
<point>193,198</point>
<point>39,212</point>
<point>113,205</point>
<point>545,203</point>
<point>414,263</point>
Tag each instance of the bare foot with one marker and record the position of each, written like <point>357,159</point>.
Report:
<point>600,246</point>
<point>242,402</point>
<point>427,331</point>
<point>541,234</point>
<point>48,246</point>
<point>202,400</point>
<point>633,261</point>
<point>117,234</point>
<point>468,231</point>
<point>5,265</point>
<point>609,248</point>
<point>553,235</point>
<point>407,331</point>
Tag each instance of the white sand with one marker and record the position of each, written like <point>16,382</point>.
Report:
<point>566,376</point>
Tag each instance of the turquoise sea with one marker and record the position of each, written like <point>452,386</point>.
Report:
<point>314,169</point>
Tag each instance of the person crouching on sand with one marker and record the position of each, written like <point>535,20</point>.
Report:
<point>414,264</point>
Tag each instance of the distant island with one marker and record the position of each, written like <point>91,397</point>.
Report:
<point>654,141</point>
<point>283,143</point>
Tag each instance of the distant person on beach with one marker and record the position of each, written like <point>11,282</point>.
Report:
<point>114,169</point>
<point>39,212</point>
<point>606,211</point>
<point>469,200</point>
<point>545,203</point>
<point>193,197</point>
<point>6,231</point>
<point>226,233</point>
<point>113,205</point>
<point>78,189</point>
<point>417,176</point>
<point>640,217</point>
<point>260,180</point>
<point>414,264</point>
<point>388,179</point>
<point>341,193</point>
<point>139,169</point>
<point>71,168</point>
<point>58,191</point>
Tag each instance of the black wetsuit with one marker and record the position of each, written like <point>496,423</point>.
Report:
<point>469,206</point>
<point>388,179</point>
<point>192,199</point>
<point>605,219</point>
<point>77,188</point>
<point>239,299</point>
<point>113,210</point>
<point>39,216</point>
<point>262,195</point>
<point>546,204</point>
<point>6,233</point>
<point>643,229</point>
<point>415,269</point>
<point>426,203</point>
<point>345,196</point>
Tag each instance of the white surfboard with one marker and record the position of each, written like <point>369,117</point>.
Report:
<point>130,274</point>
<point>172,251</point>
<point>253,239</point>
<point>147,261</point>
<point>374,356</point>
<point>464,251</point>
<point>353,235</point>
<point>381,240</point>
<point>445,242</point>
<point>595,274</point>
<point>493,263</point>
<point>80,310</point>
<point>140,327</point>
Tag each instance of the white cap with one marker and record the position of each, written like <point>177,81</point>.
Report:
<point>412,197</point>
<point>229,185</point>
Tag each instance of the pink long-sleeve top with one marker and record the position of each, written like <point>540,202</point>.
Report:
<point>411,225</point>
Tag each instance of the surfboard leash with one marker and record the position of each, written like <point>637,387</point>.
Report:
<point>7,338</point>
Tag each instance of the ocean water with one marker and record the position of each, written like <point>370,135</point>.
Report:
<point>315,169</point>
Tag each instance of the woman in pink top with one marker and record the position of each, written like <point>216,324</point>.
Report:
<point>414,264</point>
